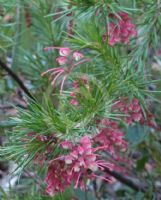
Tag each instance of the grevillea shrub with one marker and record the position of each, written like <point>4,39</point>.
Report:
<point>91,97</point>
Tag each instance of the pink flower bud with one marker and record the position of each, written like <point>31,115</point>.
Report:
<point>78,56</point>
<point>74,102</point>
<point>74,154</point>
<point>66,145</point>
<point>68,159</point>
<point>135,101</point>
<point>85,140</point>
<point>93,166</point>
<point>137,116</point>
<point>81,150</point>
<point>62,60</point>
<point>77,167</point>
<point>72,94</point>
<point>123,15</point>
<point>91,157</point>
<point>76,85</point>
<point>64,51</point>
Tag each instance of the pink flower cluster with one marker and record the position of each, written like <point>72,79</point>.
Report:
<point>68,60</point>
<point>80,164</point>
<point>83,157</point>
<point>58,177</point>
<point>121,30</point>
<point>111,137</point>
<point>64,56</point>
<point>133,112</point>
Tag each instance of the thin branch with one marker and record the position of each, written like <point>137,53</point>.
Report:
<point>17,36</point>
<point>127,181</point>
<point>86,193</point>
<point>97,195</point>
<point>6,107</point>
<point>16,78</point>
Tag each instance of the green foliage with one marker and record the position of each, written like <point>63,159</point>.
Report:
<point>33,194</point>
<point>112,72</point>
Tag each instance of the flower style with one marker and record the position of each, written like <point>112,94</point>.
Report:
<point>67,62</point>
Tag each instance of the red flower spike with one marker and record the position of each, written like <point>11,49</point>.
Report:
<point>122,30</point>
